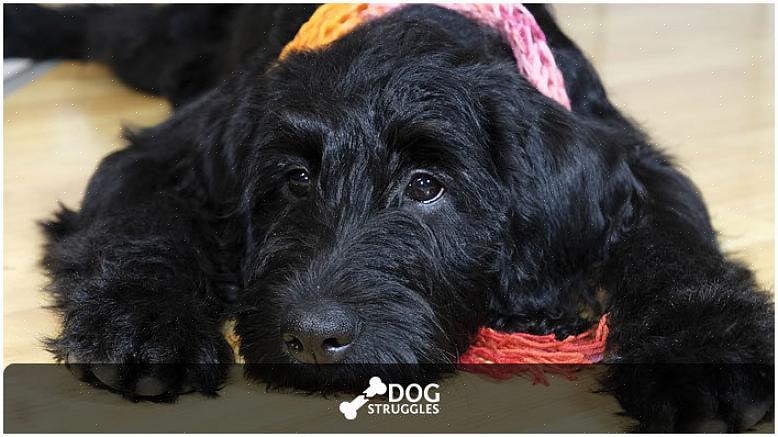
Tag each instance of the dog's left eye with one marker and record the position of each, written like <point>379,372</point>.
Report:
<point>424,188</point>
<point>299,182</point>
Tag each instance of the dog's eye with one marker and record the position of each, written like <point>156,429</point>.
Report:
<point>424,188</point>
<point>299,182</point>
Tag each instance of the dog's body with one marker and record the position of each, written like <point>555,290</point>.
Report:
<point>377,201</point>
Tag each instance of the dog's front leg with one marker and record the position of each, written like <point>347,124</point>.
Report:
<point>692,332</point>
<point>132,276</point>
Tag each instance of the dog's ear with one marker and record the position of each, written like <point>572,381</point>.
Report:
<point>582,83</point>
<point>570,194</point>
<point>207,137</point>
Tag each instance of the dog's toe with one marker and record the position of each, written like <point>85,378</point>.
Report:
<point>149,386</point>
<point>108,374</point>
<point>748,418</point>
<point>753,415</point>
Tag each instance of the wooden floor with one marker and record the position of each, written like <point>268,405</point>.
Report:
<point>699,78</point>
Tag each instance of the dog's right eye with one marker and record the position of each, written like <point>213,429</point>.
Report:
<point>424,188</point>
<point>299,182</point>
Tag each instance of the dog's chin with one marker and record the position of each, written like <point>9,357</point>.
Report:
<point>342,378</point>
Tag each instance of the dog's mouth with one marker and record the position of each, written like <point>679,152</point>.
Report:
<point>338,345</point>
<point>326,363</point>
<point>332,341</point>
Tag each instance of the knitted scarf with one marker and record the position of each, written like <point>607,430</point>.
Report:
<point>512,21</point>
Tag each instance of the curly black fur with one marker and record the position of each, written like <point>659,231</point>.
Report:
<point>193,223</point>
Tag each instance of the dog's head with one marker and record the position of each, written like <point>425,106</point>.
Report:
<point>402,187</point>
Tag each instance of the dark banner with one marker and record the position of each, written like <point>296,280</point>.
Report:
<point>49,398</point>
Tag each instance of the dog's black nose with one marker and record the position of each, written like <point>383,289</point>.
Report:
<point>322,335</point>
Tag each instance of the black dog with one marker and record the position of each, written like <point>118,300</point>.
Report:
<point>375,202</point>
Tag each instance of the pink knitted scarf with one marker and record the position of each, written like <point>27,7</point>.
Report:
<point>512,21</point>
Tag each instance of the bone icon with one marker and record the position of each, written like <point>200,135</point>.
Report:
<point>349,409</point>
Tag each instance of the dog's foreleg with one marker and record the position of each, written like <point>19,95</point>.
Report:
<point>132,279</point>
<point>691,331</point>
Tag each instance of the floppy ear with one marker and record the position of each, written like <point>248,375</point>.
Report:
<point>571,194</point>
<point>570,190</point>
<point>208,134</point>
<point>582,83</point>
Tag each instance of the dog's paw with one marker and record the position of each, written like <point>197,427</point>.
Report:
<point>693,397</point>
<point>156,372</point>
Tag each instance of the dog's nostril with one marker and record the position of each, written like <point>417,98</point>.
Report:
<point>336,342</point>
<point>293,343</point>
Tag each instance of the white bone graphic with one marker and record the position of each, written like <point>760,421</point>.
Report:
<point>349,409</point>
